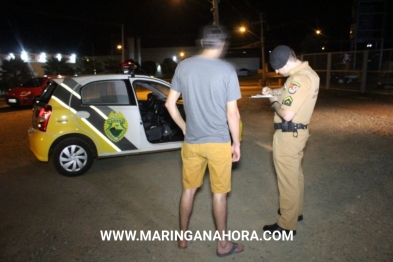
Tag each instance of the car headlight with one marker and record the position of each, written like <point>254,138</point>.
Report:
<point>25,93</point>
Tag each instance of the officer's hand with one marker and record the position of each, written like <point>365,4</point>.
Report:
<point>267,91</point>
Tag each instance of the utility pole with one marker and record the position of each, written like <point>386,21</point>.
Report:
<point>215,12</point>
<point>122,43</point>
<point>263,52</point>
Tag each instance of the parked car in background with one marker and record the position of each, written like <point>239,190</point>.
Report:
<point>243,72</point>
<point>26,93</point>
<point>345,78</point>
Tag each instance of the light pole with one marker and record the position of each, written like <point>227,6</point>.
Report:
<point>122,43</point>
<point>215,12</point>
<point>263,52</point>
<point>261,38</point>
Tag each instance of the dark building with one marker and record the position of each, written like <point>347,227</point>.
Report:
<point>370,26</point>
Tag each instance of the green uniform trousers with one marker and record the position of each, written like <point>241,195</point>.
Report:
<point>287,157</point>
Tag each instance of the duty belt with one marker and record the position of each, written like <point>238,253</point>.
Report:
<point>289,126</point>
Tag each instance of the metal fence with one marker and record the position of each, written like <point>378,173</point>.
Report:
<point>369,71</point>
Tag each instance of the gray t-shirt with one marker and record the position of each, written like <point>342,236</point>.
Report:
<point>206,85</point>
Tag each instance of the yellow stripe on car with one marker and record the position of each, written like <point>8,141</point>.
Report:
<point>84,120</point>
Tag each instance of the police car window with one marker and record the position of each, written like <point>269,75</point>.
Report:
<point>105,93</point>
<point>143,88</point>
<point>141,92</point>
<point>48,91</point>
<point>163,89</point>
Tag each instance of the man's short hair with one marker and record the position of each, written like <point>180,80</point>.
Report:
<point>213,36</point>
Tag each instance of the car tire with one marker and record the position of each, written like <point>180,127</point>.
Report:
<point>72,157</point>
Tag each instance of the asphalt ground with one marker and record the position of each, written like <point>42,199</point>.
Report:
<point>348,200</point>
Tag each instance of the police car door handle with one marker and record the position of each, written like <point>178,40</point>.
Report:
<point>82,114</point>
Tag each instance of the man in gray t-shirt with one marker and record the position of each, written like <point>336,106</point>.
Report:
<point>206,85</point>
<point>210,89</point>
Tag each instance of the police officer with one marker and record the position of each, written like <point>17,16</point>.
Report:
<point>293,105</point>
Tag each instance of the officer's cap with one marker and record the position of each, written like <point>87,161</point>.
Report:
<point>279,56</point>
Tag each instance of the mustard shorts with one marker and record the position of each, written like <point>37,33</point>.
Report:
<point>217,156</point>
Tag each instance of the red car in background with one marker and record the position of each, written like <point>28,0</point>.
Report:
<point>25,94</point>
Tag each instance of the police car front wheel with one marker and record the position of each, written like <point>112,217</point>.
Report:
<point>72,157</point>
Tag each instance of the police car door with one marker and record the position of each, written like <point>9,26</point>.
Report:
<point>117,117</point>
<point>158,127</point>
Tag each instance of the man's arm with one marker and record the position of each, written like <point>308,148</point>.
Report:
<point>170,104</point>
<point>233,117</point>
<point>287,115</point>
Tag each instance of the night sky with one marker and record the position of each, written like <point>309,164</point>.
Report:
<point>84,27</point>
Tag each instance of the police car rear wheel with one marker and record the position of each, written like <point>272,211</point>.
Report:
<point>72,157</point>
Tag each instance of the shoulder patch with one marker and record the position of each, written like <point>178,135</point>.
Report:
<point>287,101</point>
<point>293,87</point>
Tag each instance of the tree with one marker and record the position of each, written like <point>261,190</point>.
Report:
<point>168,67</point>
<point>13,73</point>
<point>149,67</point>
<point>86,66</point>
<point>111,66</point>
<point>55,66</point>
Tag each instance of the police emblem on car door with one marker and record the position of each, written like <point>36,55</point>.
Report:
<point>114,114</point>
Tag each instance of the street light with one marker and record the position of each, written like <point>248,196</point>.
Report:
<point>244,29</point>
<point>182,55</point>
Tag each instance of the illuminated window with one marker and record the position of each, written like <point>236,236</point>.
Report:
<point>24,56</point>
<point>72,59</point>
<point>10,56</point>
<point>42,58</point>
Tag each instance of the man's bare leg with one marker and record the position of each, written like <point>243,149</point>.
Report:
<point>185,209</point>
<point>220,217</point>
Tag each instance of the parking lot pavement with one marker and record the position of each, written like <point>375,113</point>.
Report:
<point>348,181</point>
<point>2,102</point>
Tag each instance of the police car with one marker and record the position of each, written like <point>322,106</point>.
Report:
<point>78,119</point>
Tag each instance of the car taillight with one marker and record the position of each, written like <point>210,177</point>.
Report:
<point>43,117</point>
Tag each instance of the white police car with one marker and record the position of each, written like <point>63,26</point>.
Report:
<point>78,119</point>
